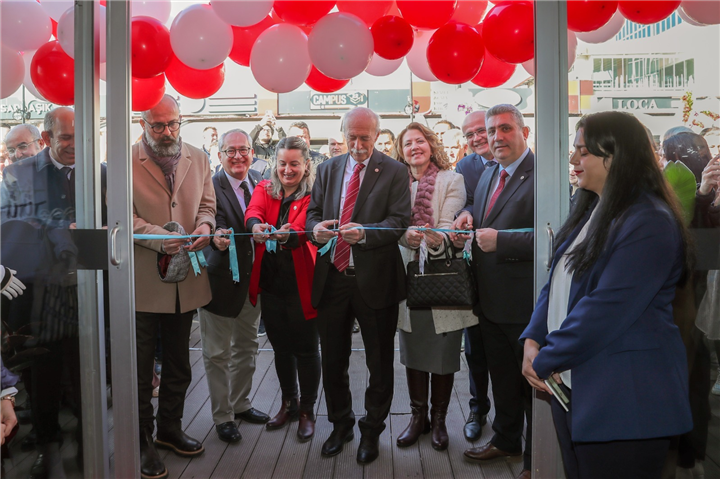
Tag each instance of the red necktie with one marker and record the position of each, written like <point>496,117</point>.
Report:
<point>501,184</point>
<point>342,249</point>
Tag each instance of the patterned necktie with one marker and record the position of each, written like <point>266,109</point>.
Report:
<point>246,194</point>
<point>490,164</point>
<point>69,176</point>
<point>342,249</point>
<point>503,175</point>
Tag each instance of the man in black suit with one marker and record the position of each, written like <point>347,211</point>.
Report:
<point>503,262</point>
<point>363,277</point>
<point>229,323</point>
<point>38,211</point>
<point>471,168</point>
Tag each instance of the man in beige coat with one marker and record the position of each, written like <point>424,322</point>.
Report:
<point>171,182</point>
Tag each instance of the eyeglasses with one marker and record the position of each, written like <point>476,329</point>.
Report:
<point>160,127</point>
<point>21,147</point>
<point>472,134</point>
<point>231,152</point>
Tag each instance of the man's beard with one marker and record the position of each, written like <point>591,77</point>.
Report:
<point>161,150</point>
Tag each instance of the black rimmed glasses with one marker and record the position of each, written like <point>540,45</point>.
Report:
<point>472,134</point>
<point>173,126</point>
<point>231,152</point>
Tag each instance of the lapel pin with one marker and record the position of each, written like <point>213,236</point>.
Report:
<point>295,207</point>
<point>522,177</point>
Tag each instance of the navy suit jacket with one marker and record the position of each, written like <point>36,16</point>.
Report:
<point>229,297</point>
<point>383,201</point>
<point>627,360</point>
<point>471,168</point>
<point>505,277</point>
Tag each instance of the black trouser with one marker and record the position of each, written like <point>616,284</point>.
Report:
<point>477,364</point>
<point>176,372</point>
<point>511,392</point>
<point>341,304</point>
<point>46,386</point>
<point>638,459</point>
<point>295,342</point>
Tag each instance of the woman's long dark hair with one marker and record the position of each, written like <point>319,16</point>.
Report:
<point>632,172</point>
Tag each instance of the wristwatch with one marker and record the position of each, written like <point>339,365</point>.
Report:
<point>9,398</point>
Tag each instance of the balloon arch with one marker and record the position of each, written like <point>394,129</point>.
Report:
<point>321,43</point>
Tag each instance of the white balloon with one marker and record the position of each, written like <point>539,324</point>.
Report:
<point>12,71</point>
<point>56,8</point>
<point>242,13</point>
<point>27,81</point>
<point>199,38</point>
<point>381,67</point>
<point>417,57</point>
<point>340,45</point>
<point>24,25</point>
<point>158,9</point>
<point>703,12</point>
<point>66,33</point>
<point>606,32</point>
<point>279,60</point>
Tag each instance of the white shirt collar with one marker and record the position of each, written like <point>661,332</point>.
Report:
<point>235,183</point>
<point>511,168</point>
<point>57,164</point>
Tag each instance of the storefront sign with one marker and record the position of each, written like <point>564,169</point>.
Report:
<point>641,103</point>
<point>11,109</point>
<point>337,101</point>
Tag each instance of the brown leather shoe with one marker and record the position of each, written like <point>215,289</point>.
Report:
<point>525,474</point>
<point>288,412</point>
<point>306,427</point>
<point>486,453</point>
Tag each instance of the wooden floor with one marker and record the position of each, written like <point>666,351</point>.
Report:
<point>278,454</point>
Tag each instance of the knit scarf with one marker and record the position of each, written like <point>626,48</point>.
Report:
<point>422,212</point>
<point>167,164</point>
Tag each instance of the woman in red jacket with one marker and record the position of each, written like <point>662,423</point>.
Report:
<point>283,273</point>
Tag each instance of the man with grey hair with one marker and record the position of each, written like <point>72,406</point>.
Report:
<point>172,186</point>
<point>503,216</point>
<point>363,277</point>
<point>23,141</point>
<point>229,323</point>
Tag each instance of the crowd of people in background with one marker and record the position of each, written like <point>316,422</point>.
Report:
<point>323,240</point>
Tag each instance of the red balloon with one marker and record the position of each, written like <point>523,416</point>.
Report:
<point>147,92</point>
<point>369,12</point>
<point>151,50</point>
<point>509,32</point>
<point>493,72</point>
<point>470,11</point>
<point>427,14</point>
<point>640,11</point>
<point>244,39</point>
<point>194,83</point>
<point>589,15</point>
<point>318,81</point>
<point>455,53</point>
<point>303,12</point>
<point>53,73</point>
<point>393,37</point>
<point>54,28</point>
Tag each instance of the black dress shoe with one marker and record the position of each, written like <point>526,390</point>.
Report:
<point>253,415</point>
<point>151,466</point>
<point>334,444</point>
<point>228,432</point>
<point>39,469</point>
<point>474,425</point>
<point>369,449</point>
<point>179,442</point>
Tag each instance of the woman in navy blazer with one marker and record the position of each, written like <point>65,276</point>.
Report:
<point>604,322</point>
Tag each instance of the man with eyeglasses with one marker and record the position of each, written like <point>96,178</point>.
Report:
<point>23,141</point>
<point>171,182</point>
<point>472,168</point>
<point>229,323</point>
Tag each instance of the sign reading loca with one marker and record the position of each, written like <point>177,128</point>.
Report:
<point>337,101</point>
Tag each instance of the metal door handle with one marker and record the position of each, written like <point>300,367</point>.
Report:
<point>551,245</point>
<point>113,247</point>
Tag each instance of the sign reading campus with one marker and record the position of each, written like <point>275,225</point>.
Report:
<point>337,101</point>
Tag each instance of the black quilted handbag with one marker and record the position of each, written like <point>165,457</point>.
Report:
<point>447,282</point>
